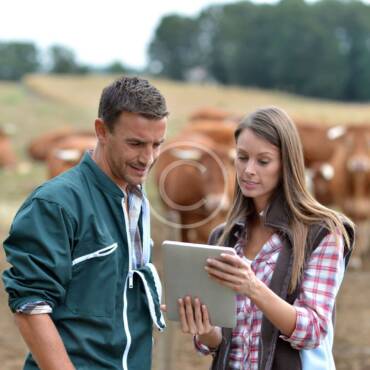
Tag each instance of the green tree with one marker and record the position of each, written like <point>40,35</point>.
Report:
<point>175,46</point>
<point>317,49</point>
<point>353,28</point>
<point>221,27</point>
<point>115,67</point>
<point>17,59</point>
<point>306,52</point>
<point>62,60</point>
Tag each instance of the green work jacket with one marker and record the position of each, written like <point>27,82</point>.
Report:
<point>69,246</point>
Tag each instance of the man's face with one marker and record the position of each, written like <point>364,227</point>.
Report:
<point>130,150</point>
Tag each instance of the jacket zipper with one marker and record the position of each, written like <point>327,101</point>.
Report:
<point>129,281</point>
<point>127,226</point>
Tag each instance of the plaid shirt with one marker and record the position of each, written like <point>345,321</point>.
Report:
<point>314,304</point>
<point>135,200</point>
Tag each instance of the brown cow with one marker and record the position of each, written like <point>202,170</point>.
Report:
<point>8,158</point>
<point>213,114</point>
<point>195,178</point>
<point>318,141</point>
<point>350,182</point>
<point>67,152</point>
<point>40,146</point>
<point>345,178</point>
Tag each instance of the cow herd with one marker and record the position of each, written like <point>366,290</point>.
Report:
<point>195,173</point>
<point>61,149</point>
<point>338,166</point>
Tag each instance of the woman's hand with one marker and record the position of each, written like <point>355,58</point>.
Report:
<point>195,320</point>
<point>234,273</point>
<point>194,317</point>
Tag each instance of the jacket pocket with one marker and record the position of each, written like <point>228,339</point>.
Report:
<point>93,287</point>
<point>99,253</point>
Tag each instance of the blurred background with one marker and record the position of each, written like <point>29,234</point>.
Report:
<point>214,61</point>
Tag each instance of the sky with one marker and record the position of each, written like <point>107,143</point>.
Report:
<point>98,32</point>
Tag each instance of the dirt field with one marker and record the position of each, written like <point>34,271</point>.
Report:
<point>46,102</point>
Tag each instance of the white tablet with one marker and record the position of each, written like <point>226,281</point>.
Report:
<point>184,274</point>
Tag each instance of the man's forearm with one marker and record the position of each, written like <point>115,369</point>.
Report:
<point>44,341</point>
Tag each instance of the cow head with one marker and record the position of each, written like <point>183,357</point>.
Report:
<point>193,177</point>
<point>209,168</point>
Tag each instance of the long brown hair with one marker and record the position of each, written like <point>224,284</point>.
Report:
<point>275,126</point>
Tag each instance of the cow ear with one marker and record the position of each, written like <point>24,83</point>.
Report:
<point>232,154</point>
<point>336,132</point>
<point>187,154</point>
<point>327,171</point>
<point>68,155</point>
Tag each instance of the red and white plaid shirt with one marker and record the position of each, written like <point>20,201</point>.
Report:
<point>314,304</point>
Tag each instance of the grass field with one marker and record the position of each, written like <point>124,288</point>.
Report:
<point>44,102</point>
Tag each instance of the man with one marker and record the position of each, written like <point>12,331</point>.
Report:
<point>81,285</point>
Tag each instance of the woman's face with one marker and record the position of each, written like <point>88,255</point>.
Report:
<point>258,167</point>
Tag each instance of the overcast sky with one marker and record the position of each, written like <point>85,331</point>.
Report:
<point>97,31</point>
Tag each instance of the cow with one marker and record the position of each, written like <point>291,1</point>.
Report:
<point>38,147</point>
<point>318,144</point>
<point>8,157</point>
<point>213,114</point>
<point>343,179</point>
<point>350,179</point>
<point>344,168</point>
<point>195,177</point>
<point>67,152</point>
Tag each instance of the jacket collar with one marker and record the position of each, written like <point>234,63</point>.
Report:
<point>98,176</point>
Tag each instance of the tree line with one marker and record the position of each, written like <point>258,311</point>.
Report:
<point>319,49</point>
<point>19,58</point>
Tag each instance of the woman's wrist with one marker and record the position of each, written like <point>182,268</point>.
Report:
<point>257,291</point>
<point>211,339</point>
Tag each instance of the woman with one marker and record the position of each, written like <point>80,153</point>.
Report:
<point>292,253</point>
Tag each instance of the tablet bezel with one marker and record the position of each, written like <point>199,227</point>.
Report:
<point>184,274</point>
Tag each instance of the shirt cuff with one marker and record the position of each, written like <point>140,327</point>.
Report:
<point>35,308</point>
<point>299,338</point>
<point>202,348</point>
